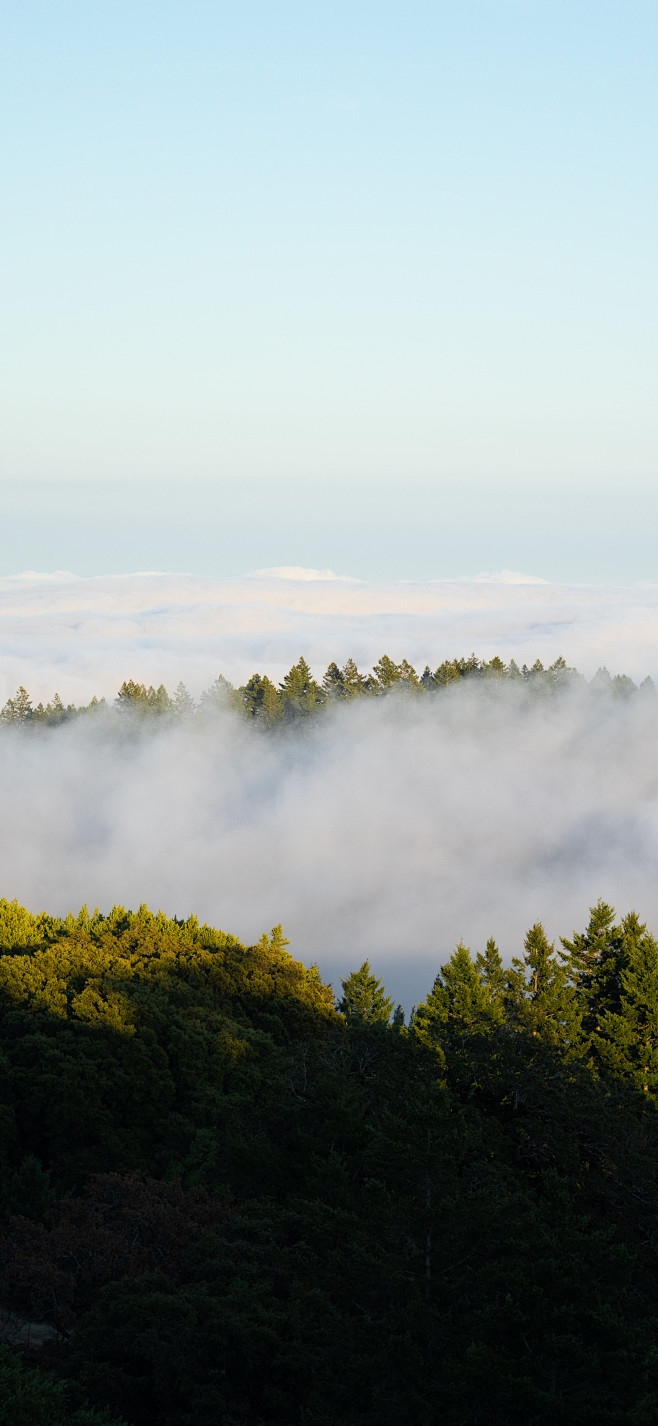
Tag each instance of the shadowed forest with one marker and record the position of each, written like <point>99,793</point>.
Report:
<point>229,1196</point>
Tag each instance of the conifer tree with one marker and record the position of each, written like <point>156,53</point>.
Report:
<point>275,943</point>
<point>220,696</point>
<point>19,708</point>
<point>408,675</point>
<point>626,1040</point>
<point>451,670</point>
<point>387,674</point>
<point>364,997</point>
<point>495,668</point>
<point>299,691</point>
<point>594,959</point>
<point>494,978</point>
<point>182,702</point>
<point>333,682</point>
<point>354,683</point>
<point>159,700</point>
<point>459,1000</point>
<point>261,699</point>
<point>540,997</point>
<point>139,699</point>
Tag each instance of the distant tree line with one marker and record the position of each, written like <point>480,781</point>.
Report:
<point>299,694</point>
<point>226,1196</point>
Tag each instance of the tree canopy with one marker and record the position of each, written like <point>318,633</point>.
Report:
<point>227,1197</point>
<point>299,695</point>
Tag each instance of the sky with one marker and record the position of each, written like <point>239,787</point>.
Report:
<point>357,286</point>
<point>330,329</point>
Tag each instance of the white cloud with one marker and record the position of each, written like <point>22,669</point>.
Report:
<point>387,829</point>
<point>83,636</point>
<point>509,576</point>
<point>295,571</point>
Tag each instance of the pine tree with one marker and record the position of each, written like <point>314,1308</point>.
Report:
<point>364,997</point>
<point>19,708</point>
<point>260,699</point>
<point>408,675</point>
<point>159,700</point>
<point>594,959</point>
<point>387,674</point>
<point>275,943</point>
<point>354,683</point>
<point>539,996</point>
<point>182,702</point>
<point>495,668</point>
<point>451,670</point>
<point>623,686</point>
<point>220,696</point>
<point>136,698</point>
<point>494,979</point>
<point>627,1039</point>
<point>333,682</point>
<point>601,683</point>
<point>299,691</point>
<point>459,1001</point>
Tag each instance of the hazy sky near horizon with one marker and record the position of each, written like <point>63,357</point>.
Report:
<point>332,246</point>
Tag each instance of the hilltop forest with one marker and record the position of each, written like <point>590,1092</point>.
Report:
<point>231,1197</point>
<point>300,695</point>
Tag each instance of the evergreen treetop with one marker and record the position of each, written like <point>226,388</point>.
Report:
<point>364,997</point>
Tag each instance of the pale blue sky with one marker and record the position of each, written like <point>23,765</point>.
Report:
<point>270,247</point>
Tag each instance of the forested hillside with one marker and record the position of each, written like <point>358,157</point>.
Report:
<point>230,1198</point>
<point>300,694</point>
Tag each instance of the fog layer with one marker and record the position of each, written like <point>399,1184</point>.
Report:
<point>81,637</point>
<point>386,829</point>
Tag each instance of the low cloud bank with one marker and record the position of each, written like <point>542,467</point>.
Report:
<point>387,828</point>
<point>82,637</point>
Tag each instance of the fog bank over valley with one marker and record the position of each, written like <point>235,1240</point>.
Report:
<point>387,828</point>
<point>83,636</point>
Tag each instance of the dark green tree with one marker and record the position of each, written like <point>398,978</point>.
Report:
<point>387,674</point>
<point>364,997</point>
<point>354,683</point>
<point>260,699</point>
<point>29,1397</point>
<point>458,1002</point>
<point>626,1040</point>
<point>408,676</point>
<point>333,684</point>
<point>494,978</point>
<point>451,670</point>
<point>540,997</point>
<point>300,694</point>
<point>594,960</point>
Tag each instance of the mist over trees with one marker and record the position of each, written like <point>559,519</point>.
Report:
<point>228,1195</point>
<point>299,695</point>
